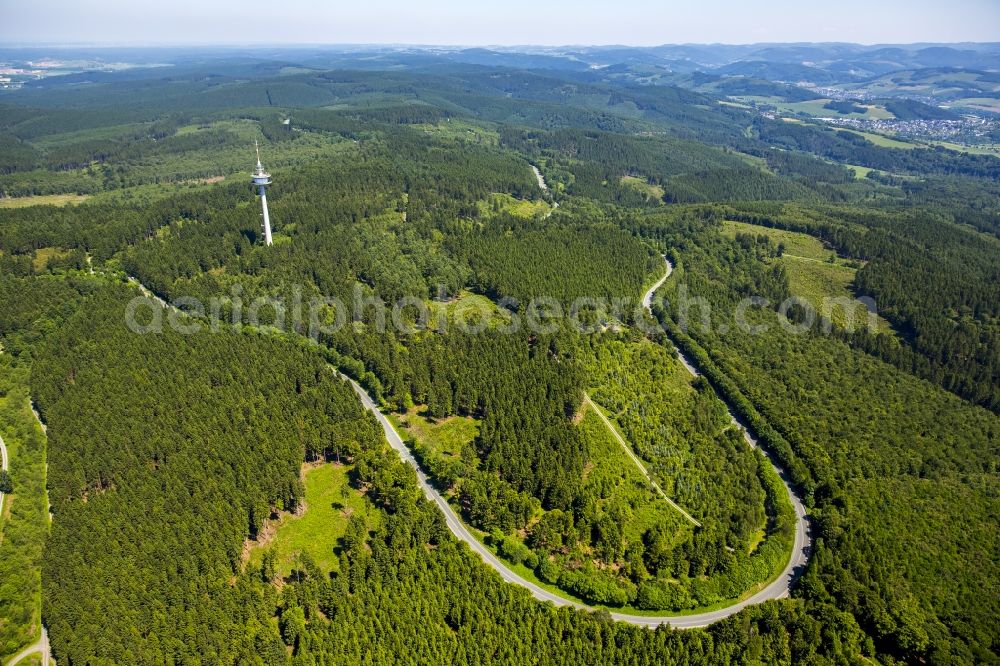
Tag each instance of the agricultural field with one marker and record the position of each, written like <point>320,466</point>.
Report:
<point>816,108</point>
<point>993,149</point>
<point>883,141</point>
<point>979,103</point>
<point>945,83</point>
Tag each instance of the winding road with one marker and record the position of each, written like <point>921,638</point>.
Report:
<point>779,588</point>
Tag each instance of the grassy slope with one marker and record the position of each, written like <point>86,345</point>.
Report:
<point>620,482</point>
<point>641,185</point>
<point>44,254</point>
<point>883,141</point>
<point>519,208</point>
<point>815,108</point>
<point>860,172</point>
<point>811,275</point>
<point>609,473</point>
<point>993,149</point>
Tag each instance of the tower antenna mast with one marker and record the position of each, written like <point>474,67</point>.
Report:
<point>262,179</point>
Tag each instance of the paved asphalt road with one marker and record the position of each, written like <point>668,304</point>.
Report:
<point>778,589</point>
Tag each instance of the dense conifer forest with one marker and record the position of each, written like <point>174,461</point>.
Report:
<point>171,456</point>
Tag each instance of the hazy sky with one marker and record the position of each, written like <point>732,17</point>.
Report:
<point>640,22</point>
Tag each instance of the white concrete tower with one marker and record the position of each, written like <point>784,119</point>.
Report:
<point>262,180</point>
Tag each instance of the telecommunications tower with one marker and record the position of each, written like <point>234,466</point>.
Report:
<point>262,180</point>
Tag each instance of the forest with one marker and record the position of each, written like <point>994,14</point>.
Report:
<point>169,455</point>
<point>936,452</point>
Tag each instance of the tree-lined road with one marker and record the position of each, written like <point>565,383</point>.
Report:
<point>777,589</point>
<point>802,546</point>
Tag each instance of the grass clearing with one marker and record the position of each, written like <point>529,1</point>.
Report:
<point>815,272</point>
<point>520,208</point>
<point>643,186</point>
<point>446,437</point>
<point>758,538</point>
<point>614,482</point>
<point>617,488</point>
<point>467,310</point>
<point>43,200</point>
<point>630,455</point>
<point>755,161</point>
<point>461,130</point>
<point>993,150</point>
<point>877,112</point>
<point>816,108</point>
<point>44,254</point>
<point>330,503</point>
<point>617,481</point>
<point>860,172</point>
<point>817,282</point>
<point>796,243</point>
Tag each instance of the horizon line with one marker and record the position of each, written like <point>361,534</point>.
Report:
<point>484,45</point>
